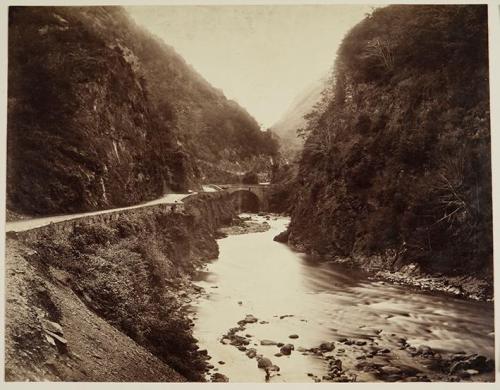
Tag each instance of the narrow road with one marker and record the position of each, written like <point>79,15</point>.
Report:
<point>28,224</point>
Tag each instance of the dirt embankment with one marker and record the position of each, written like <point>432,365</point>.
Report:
<point>104,301</point>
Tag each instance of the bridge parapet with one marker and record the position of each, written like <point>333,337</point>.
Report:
<point>259,190</point>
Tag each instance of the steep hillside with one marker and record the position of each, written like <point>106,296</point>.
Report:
<point>293,119</point>
<point>397,162</point>
<point>104,298</point>
<point>102,114</point>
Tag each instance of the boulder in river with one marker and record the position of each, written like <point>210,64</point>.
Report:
<point>425,351</point>
<point>268,342</point>
<point>238,341</point>
<point>390,370</point>
<point>287,349</point>
<point>327,347</point>
<point>294,336</point>
<point>218,377</point>
<point>263,362</point>
<point>336,363</point>
<point>251,353</point>
<point>473,362</point>
<point>249,319</point>
<point>282,237</point>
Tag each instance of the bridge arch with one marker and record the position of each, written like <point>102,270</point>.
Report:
<point>246,201</point>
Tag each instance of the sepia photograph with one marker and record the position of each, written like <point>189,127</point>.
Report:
<point>248,193</point>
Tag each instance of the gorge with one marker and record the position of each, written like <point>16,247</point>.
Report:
<point>155,233</point>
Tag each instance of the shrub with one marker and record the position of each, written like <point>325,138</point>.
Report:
<point>250,178</point>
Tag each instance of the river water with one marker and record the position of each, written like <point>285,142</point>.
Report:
<point>321,302</point>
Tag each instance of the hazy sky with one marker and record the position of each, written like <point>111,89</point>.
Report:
<point>260,56</point>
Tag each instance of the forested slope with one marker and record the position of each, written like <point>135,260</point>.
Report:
<point>397,161</point>
<point>103,114</point>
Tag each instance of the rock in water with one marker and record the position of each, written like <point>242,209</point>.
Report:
<point>390,370</point>
<point>263,362</point>
<point>327,347</point>
<point>294,336</point>
<point>218,377</point>
<point>337,363</point>
<point>268,342</point>
<point>251,353</point>
<point>282,237</point>
<point>249,319</point>
<point>474,362</point>
<point>425,351</point>
<point>287,349</point>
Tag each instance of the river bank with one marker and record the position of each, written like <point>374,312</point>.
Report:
<point>271,314</point>
<point>89,299</point>
<point>153,289</point>
<point>386,267</point>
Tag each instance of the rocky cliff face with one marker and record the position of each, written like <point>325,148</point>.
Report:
<point>113,288</point>
<point>397,163</point>
<point>102,114</point>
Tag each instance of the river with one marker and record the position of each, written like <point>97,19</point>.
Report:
<point>291,294</point>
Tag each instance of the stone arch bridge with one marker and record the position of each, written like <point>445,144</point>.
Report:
<point>249,197</point>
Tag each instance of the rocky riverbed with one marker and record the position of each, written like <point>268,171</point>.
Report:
<point>271,314</point>
<point>105,299</point>
<point>383,357</point>
<point>245,224</point>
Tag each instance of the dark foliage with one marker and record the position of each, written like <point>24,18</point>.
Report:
<point>101,114</point>
<point>283,189</point>
<point>129,271</point>
<point>398,156</point>
<point>250,178</point>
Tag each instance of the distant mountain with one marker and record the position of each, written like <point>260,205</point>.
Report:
<point>293,119</point>
<point>102,114</point>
